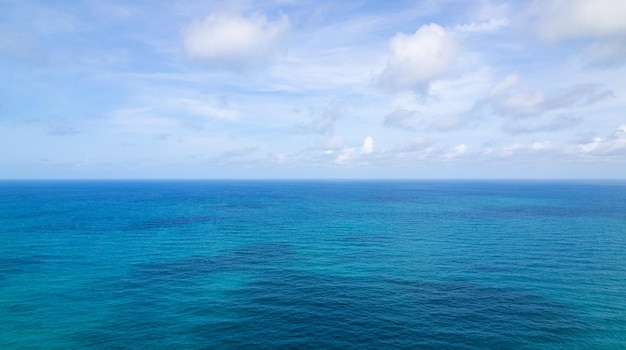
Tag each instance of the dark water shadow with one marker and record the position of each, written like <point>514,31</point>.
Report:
<point>24,264</point>
<point>248,258</point>
<point>311,311</point>
<point>284,308</point>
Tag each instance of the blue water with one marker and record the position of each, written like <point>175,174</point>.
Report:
<point>312,264</point>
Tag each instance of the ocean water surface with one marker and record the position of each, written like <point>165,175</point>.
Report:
<point>312,264</point>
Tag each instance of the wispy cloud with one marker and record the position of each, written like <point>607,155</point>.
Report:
<point>507,98</point>
<point>483,27</point>
<point>324,122</point>
<point>555,124</point>
<point>61,128</point>
<point>450,122</point>
<point>401,119</point>
<point>235,154</point>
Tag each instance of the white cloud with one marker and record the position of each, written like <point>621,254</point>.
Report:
<point>344,156</point>
<point>368,145</point>
<point>570,19</point>
<point>614,144</point>
<point>601,21</point>
<point>541,146</point>
<point>458,150</point>
<point>417,59</point>
<point>535,150</point>
<point>591,146</point>
<point>233,41</point>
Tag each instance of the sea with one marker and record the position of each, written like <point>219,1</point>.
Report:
<point>314,264</point>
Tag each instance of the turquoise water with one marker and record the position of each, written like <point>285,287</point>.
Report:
<point>312,264</point>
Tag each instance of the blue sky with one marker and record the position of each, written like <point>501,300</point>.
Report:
<point>313,89</point>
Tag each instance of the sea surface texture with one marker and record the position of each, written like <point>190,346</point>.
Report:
<point>312,265</point>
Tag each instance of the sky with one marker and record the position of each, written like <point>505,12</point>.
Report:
<point>312,89</point>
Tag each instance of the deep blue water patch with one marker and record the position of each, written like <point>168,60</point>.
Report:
<point>313,264</point>
<point>22,264</point>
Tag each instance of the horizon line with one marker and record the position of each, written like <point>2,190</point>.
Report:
<point>310,179</point>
